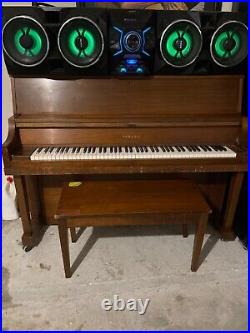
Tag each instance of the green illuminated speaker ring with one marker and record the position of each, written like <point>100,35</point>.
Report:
<point>228,46</point>
<point>181,43</point>
<point>80,42</point>
<point>25,41</point>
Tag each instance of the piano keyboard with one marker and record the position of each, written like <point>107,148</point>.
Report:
<point>139,152</point>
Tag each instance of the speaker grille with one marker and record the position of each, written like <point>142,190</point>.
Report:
<point>80,42</point>
<point>25,41</point>
<point>181,43</point>
<point>229,44</point>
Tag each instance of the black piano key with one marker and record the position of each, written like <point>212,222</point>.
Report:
<point>182,148</point>
<point>178,148</point>
<point>171,149</point>
<point>152,149</point>
<point>224,148</point>
<point>215,148</point>
<point>50,150</point>
<point>208,148</point>
<point>197,148</point>
<point>126,149</point>
<point>137,149</point>
<point>156,149</point>
<point>130,149</point>
<point>204,148</point>
<point>77,150</point>
<point>162,149</point>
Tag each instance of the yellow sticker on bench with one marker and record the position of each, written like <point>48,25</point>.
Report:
<point>74,184</point>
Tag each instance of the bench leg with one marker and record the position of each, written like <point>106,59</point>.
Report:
<point>198,240</point>
<point>64,240</point>
<point>73,234</point>
<point>185,230</point>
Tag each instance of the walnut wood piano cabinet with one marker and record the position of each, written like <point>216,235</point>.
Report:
<point>124,112</point>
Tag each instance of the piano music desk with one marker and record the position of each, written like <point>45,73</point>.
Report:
<point>130,202</point>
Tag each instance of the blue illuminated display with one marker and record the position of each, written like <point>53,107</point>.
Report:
<point>131,61</point>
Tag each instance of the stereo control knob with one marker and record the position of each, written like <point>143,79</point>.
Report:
<point>132,41</point>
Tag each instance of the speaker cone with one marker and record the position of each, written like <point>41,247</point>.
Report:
<point>80,42</point>
<point>229,44</point>
<point>181,43</point>
<point>25,41</point>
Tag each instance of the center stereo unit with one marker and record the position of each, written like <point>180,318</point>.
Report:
<point>77,42</point>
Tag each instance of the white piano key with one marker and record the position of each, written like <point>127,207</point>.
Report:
<point>32,156</point>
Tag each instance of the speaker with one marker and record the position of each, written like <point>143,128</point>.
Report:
<point>131,42</point>
<point>82,41</point>
<point>54,42</point>
<point>26,40</point>
<point>76,42</point>
<point>203,43</point>
<point>179,42</point>
<point>229,43</point>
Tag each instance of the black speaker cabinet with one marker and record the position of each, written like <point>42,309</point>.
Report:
<point>227,37</point>
<point>131,42</point>
<point>54,42</point>
<point>201,43</point>
<point>179,42</point>
<point>77,42</point>
<point>82,41</point>
<point>27,41</point>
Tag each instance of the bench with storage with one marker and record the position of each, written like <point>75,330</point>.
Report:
<point>130,202</point>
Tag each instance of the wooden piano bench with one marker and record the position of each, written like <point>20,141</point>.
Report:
<point>126,202</point>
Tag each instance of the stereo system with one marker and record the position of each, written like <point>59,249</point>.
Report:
<point>65,42</point>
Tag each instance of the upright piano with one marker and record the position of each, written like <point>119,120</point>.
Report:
<point>153,127</point>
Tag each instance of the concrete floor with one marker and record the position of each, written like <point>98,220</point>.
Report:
<point>140,262</point>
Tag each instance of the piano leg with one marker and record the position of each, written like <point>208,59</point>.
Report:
<point>226,230</point>
<point>185,230</point>
<point>29,207</point>
<point>73,235</point>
